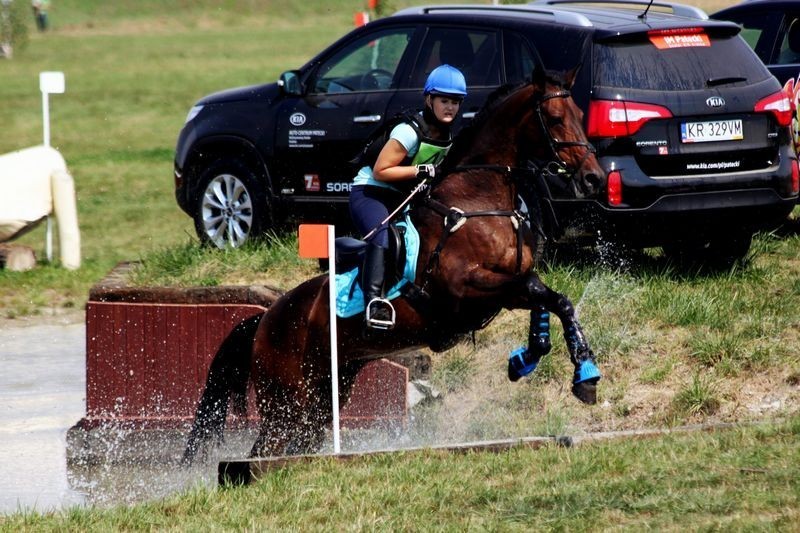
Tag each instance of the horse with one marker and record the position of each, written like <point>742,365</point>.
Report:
<point>476,257</point>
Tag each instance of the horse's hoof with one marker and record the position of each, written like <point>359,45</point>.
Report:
<point>586,392</point>
<point>521,362</point>
<point>584,383</point>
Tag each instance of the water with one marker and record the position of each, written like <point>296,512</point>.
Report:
<point>42,394</point>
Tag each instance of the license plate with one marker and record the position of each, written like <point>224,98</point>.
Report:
<point>711,130</point>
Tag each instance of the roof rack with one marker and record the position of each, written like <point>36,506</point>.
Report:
<point>681,10</point>
<point>559,16</point>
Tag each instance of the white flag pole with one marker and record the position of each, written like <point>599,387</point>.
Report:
<point>49,82</point>
<point>334,340</point>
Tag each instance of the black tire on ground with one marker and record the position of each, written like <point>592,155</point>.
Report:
<point>716,251</point>
<point>231,206</point>
<point>543,246</point>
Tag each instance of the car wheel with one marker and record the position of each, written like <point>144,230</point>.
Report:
<point>543,248</point>
<point>717,251</point>
<point>232,207</point>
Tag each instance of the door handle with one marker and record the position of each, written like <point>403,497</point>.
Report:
<point>366,119</point>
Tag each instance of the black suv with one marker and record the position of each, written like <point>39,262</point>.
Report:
<point>696,145</point>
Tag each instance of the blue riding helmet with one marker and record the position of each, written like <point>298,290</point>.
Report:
<point>446,81</point>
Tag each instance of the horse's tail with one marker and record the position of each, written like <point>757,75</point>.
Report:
<point>226,383</point>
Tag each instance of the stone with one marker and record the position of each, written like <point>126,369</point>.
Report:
<point>16,257</point>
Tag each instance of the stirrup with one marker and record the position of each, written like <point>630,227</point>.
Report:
<point>382,305</point>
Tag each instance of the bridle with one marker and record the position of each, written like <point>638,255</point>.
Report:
<point>557,166</point>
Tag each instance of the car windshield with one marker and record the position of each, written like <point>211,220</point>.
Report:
<point>643,65</point>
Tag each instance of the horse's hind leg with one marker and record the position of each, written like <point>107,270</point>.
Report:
<point>586,376</point>
<point>292,420</point>
<point>280,413</point>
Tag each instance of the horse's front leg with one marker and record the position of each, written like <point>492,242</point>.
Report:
<point>544,300</point>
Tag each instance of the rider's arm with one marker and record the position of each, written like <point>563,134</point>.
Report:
<point>402,142</point>
<point>387,167</point>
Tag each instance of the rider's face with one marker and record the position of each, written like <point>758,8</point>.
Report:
<point>445,108</point>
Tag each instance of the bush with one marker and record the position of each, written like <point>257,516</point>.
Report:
<point>13,30</point>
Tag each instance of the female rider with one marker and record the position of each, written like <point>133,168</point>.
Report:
<point>409,154</point>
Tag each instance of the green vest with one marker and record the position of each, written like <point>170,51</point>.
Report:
<point>431,152</point>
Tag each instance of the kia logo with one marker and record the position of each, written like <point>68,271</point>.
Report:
<point>715,101</point>
<point>297,119</point>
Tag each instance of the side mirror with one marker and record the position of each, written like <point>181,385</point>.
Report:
<point>289,82</point>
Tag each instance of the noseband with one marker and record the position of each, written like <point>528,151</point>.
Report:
<point>558,166</point>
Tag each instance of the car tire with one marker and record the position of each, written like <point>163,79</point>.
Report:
<point>717,251</point>
<point>543,248</point>
<point>231,206</point>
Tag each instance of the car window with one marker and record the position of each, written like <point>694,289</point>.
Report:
<point>368,64</point>
<point>758,31</point>
<point>520,60</point>
<point>474,52</point>
<point>643,65</point>
<point>790,45</point>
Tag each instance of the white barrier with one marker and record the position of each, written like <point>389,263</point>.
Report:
<point>35,183</point>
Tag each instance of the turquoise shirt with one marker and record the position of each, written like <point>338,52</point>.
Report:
<point>405,135</point>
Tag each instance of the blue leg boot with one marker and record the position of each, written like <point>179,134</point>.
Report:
<point>523,361</point>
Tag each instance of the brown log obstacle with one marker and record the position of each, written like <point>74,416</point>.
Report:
<point>148,351</point>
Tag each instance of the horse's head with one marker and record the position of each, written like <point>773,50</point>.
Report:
<point>556,133</point>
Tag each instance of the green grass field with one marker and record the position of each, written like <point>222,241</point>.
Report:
<point>742,479</point>
<point>675,347</point>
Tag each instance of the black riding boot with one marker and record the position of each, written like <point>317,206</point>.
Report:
<point>379,312</point>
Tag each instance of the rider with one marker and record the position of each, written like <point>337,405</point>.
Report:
<point>409,154</point>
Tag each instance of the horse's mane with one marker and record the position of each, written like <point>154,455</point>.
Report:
<point>466,136</point>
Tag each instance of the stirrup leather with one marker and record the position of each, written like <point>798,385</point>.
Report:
<point>380,323</point>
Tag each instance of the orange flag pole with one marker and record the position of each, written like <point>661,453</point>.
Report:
<point>317,241</point>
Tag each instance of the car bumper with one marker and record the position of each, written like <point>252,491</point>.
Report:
<point>674,217</point>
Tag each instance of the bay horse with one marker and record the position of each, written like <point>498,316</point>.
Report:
<point>476,258</point>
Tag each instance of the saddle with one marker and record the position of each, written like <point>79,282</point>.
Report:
<point>401,263</point>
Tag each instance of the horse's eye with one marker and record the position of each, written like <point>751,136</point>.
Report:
<point>554,121</point>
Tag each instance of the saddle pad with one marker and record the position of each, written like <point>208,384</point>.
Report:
<point>350,298</point>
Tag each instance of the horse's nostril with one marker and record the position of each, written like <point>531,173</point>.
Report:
<point>593,180</point>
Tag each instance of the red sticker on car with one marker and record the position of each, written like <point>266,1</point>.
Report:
<point>312,182</point>
<point>680,40</point>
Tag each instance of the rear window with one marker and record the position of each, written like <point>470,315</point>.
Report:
<point>642,65</point>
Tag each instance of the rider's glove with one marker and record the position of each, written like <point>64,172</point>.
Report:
<point>426,171</point>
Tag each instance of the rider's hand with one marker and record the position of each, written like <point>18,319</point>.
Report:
<point>426,171</point>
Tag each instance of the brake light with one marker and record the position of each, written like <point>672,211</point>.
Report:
<point>795,177</point>
<point>779,104</point>
<point>614,188</point>
<point>676,31</point>
<point>618,118</point>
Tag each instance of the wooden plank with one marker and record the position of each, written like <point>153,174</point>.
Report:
<point>244,471</point>
<point>135,403</point>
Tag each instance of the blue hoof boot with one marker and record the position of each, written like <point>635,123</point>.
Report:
<point>521,363</point>
<point>587,372</point>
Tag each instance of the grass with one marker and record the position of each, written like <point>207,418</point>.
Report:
<point>731,479</point>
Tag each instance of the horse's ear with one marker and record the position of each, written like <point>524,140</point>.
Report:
<point>570,75</point>
<point>538,76</point>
